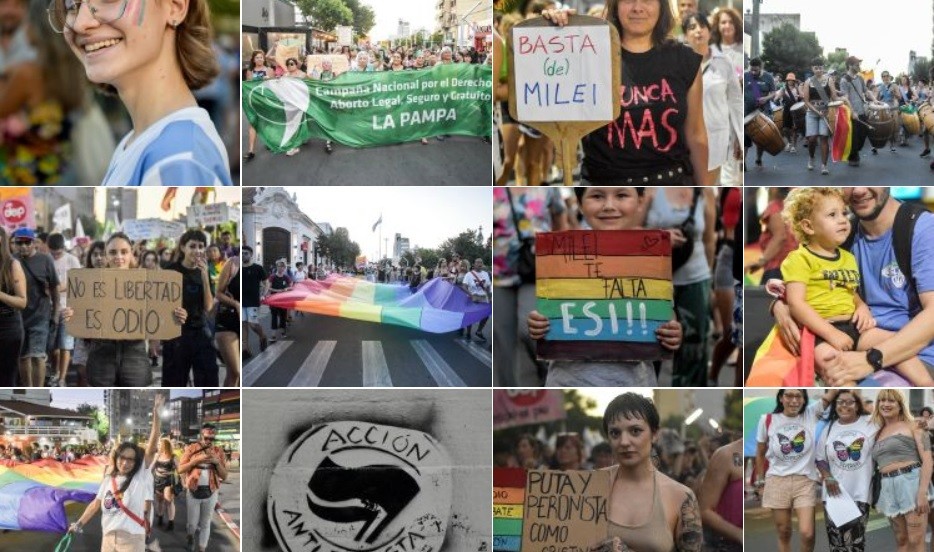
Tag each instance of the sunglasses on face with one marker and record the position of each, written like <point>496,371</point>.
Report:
<point>22,242</point>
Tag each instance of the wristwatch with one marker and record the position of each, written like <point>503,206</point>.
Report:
<point>874,358</point>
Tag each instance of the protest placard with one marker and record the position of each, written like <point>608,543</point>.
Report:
<point>508,500</point>
<point>111,303</point>
<point>16,209</point>
<point>208,215</point>
<point>515,407</point>
<point>339,63</point>
<point>564,81</point>
<point>152,228</point>
<point>565,510</point>
<point>604,293</point>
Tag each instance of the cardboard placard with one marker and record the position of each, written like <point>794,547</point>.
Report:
<point>508,500</point>
<point>111,303</point>
<point>153,228</point>
<point>564,81</point>
<point>339,63</point>
<point>565,510</point>
<point>604,293</point>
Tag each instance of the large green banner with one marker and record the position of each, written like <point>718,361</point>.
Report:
<point>372,109</point>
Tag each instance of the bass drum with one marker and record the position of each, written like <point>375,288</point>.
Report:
<point>926,114</point>
<point>778,117</point>
<point>763,132</point>
<point>910,120</point>
<point>881,117</point>
<point>797,116</point>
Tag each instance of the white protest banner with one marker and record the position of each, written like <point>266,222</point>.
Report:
<point>152,228</point>
<point>208,215</point>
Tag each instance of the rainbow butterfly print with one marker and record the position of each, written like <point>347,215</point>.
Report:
<point>852,452</point>
<point>795,444</point>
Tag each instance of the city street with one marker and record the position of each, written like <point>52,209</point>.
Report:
<point>323,351</point>
<point>222,538</point>
<point>760,531</point>
<point>790,169</point>
<point>457,161</point>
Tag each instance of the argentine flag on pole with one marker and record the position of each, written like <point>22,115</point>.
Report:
<point>380,221</point>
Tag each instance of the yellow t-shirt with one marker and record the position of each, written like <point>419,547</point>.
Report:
<point>831,283</point>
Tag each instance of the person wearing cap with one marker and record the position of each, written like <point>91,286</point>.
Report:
<point>817,91</point>
<point>788,97</point>
<point>854,87</point>
<point>203,466</point>
<point>41,305</point>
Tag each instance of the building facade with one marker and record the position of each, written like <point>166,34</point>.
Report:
<point>130,412</point>
<point>23,422</point>
<point>222,408</point>
<point>277,229</point>
<point>184,418</point>
<point>465,23</point>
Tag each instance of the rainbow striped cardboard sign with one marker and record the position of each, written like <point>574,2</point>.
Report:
<point>604,293</point>
<point>508,500</point>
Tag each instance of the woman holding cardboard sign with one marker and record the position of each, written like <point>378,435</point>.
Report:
<point>659,137</point>
<point>673,523</point>
<point>120,363</point>
<point>607,209</point>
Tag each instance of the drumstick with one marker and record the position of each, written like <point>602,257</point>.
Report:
<point>821,115</point>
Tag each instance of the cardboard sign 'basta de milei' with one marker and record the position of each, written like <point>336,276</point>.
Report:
<point>361,487</point>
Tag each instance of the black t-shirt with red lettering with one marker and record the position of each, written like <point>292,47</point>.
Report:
<point>648,136</point>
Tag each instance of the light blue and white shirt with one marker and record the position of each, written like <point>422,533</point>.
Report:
<point>181,149</point>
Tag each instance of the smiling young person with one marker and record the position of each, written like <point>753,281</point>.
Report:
<point>152,54</point>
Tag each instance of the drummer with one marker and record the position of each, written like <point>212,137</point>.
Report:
<point>789,96</point>
<point>758,91</point>
<point>885,92</point>
<point>905,97</point>
<point>817,91</point>
<point>857,95</point>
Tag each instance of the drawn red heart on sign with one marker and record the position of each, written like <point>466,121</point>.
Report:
<point>650,241</point>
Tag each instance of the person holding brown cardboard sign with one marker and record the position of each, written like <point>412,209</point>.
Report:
<point>120,363</point>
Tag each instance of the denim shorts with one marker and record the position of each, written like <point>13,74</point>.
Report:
<point>35,340</point>
<point>62,339</point>
<point>898,493</point>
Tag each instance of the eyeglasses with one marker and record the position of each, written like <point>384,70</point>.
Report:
<point>846,403</point>
<point>290,63</point>
<point>64,13</point>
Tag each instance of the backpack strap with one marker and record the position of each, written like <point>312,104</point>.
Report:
<point>902,236</point>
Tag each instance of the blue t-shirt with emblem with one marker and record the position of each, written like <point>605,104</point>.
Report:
<point>884,285</point>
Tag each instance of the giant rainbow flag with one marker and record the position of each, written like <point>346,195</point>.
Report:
<point>33,496</point>
<point>436,306</point>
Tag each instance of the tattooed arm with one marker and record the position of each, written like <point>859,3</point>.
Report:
<point>689,536</point>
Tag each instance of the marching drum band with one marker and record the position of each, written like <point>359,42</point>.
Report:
<point>885,113</point>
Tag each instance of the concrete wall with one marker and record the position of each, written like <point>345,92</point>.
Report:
<point>460,420</point>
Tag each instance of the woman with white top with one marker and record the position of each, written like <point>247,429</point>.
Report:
<point>125,495</point>
<point>845,464</point>
<point>786,439</point>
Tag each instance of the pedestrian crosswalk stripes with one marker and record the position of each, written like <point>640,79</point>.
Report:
<point>480,353</point>
<point>311,371</point>
<point>262,362</point>
<point>442,373</point>
<point>375,369</point>
<point>371,363</point>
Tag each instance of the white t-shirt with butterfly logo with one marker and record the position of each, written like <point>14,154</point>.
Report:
<point>791,442</point>
<point>846,448</point>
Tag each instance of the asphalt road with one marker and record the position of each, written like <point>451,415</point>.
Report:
<point>457,161</point>
<point>760,532</point>
<point>223,539</point>
<point>324,351</point>
<point>885,168</point>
